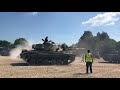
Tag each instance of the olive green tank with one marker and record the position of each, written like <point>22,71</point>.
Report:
<point>47,53</point>
<point>112,57</point>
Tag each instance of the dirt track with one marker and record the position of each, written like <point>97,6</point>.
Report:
<point>14,69</point>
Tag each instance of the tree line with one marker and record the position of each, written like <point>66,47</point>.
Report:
<point>99,44</point>
<point>22,41</point>
<point>7,44</point>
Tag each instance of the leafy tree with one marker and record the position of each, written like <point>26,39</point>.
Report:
<point>85,40</point>
<point>103,35</point>
<point>20,41</point>
<point>87,34</point>
<point>72,46</point>
<point>98,34</point>
<point>100,44</point>
<point>4,43</point>
<point>12,46</point>
<point>118,46</point>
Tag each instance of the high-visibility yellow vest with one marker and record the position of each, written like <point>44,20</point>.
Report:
<point>88,57</point>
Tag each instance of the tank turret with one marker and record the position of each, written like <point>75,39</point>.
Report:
<point>46,46</point>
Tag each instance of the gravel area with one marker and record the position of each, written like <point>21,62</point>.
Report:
<point>18,69</point>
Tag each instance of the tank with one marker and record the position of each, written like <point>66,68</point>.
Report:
<point>4,51</point>
<point>112,57</point>
<point>47,53</point>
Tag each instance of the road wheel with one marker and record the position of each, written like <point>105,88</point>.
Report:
<point>46,62</point>
<point>53,61</point>
<point>65,61</point>
<point>39,62</point>
<point>32,62</point>
<point>59,62</point>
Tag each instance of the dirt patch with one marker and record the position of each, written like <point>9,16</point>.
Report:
<point>19,69</point>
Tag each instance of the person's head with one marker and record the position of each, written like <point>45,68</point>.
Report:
<point>88,51</point>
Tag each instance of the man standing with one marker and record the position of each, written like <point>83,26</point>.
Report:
<point>89,61</point>
<point>82,58</point>
<point>45,40</point>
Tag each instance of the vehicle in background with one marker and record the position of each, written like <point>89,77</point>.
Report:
<point>4,51</point>
<point>112,57</point>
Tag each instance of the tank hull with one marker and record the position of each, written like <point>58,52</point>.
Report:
<point>47,58</point>
<point>115,58</point>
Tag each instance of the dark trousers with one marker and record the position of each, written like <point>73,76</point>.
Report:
<point>88,64</point>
